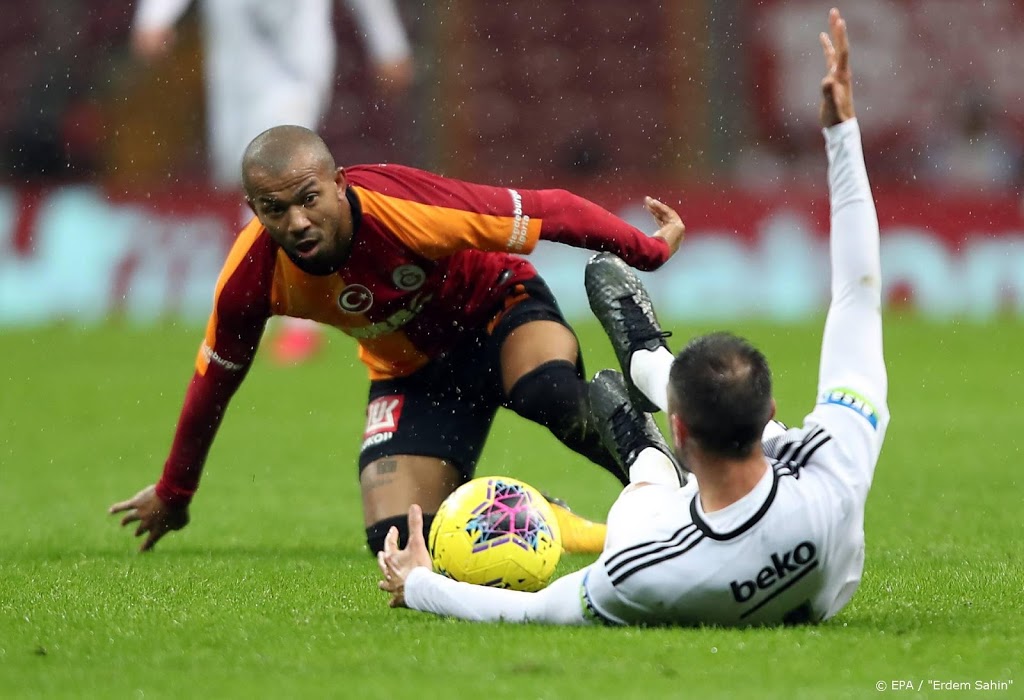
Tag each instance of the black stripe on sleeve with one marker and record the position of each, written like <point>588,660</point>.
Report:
<point>807,451</point>
<point>647,549</point>
<point>651,561</point>
<point>787,451</point>
<point>808,447</point>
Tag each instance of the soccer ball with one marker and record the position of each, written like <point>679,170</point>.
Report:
<point>496,531</point>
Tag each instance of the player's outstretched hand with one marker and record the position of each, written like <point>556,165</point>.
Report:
<point>837,85</point>
<point>396,564</point>
<point>670,226</point>
<point>153,516</point>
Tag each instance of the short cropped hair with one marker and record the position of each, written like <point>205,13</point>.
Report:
<point>723,393</point>
<point>277,148</point>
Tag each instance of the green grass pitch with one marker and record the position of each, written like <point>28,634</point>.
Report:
<point>270,592</point>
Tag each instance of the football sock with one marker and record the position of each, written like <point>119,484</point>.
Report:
<point>653,466</point>
<point>376,533</point>
<point>649,371</point>
<point>555,396</point>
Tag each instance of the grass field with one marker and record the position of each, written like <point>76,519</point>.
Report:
<point>270,592</point>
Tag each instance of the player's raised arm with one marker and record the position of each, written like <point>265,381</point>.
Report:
<point>852,383</point>
<point>837,85</point>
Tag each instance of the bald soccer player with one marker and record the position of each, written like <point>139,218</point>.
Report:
<point>425,273</point>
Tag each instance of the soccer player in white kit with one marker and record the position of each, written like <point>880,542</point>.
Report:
<point>269,63</point>
<point>769,527</point>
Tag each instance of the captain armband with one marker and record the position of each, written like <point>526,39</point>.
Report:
<point>852,400</point>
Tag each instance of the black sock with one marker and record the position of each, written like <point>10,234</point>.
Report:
<point>555,396</point>
<point>376,533</point>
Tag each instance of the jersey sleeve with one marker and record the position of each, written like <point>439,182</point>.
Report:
<point>851,410</point>
<point>772,437</point>
<point>437,217</point>
<point>570,219</point>
<point>852,379</point>
<point>240,310</point>
<point>561,603</point>
<point>205,402</point>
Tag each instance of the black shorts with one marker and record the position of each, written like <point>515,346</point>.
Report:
<point>445,409</point>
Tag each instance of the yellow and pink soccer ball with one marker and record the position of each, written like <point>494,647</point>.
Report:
<point>496,531</point>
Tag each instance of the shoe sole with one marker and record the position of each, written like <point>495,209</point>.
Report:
<point>604,304</point>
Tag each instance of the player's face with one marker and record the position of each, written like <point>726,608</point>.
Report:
<point>306,212</point>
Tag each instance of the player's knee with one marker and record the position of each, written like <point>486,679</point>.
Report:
<point>376,533</point>
<point>553,395</point>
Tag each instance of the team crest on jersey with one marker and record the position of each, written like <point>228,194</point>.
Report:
<point>851,399</point>
<point>355,299</point>
<point>382,416</point>
<point>408,278</point>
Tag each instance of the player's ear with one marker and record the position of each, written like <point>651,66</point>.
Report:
<point>341,180</point>
<point>679,431</point>
<point>772,413</point>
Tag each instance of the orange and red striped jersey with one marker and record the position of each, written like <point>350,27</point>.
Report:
<point>432,259</point>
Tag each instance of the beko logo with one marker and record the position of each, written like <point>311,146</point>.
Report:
<point>788,566</point>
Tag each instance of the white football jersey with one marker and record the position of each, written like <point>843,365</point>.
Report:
<point>790,551</point>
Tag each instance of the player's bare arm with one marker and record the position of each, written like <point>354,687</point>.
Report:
<point>154,517</point>
<point>837,85</point>
<point>670,225</point>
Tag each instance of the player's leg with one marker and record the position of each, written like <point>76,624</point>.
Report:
<point>631,434</point>
<point>233,88</point>
<point>422,440</point>
<point>543,384</point>
<point>391,484</point>
<point>620,302</point>
<point>541,371</point>
<point>306,72</point>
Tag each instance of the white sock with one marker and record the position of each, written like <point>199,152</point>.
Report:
<point>649,371</point>
<point>653,467</point>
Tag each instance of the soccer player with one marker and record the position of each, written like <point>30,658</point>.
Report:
<point>423,271</point>
<point>268,63</point>
<point>770,529</point>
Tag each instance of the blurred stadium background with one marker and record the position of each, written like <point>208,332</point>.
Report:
<point>111,239</point>
<point>105,211</point>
